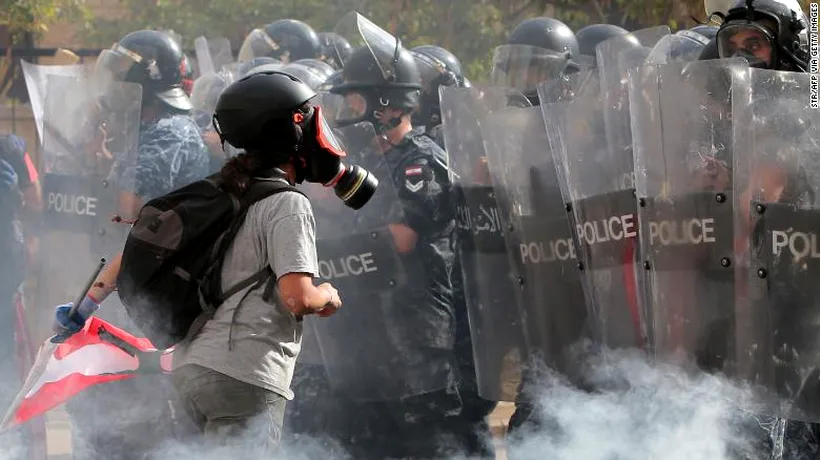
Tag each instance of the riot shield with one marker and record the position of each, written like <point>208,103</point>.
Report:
<point>681,134</point>
<point>88,125</point>
<point>212,54</point>
<point>378,346</point>
<point>36,77</point>
<point>207,89</point>
<point>597,191</point>
<point>684,46</point>
<point>539,240</point>
<point>777,215</point>
<point>486,275</point>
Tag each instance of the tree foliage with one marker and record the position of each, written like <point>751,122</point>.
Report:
<point>468,28</point>
<point>21,17</point>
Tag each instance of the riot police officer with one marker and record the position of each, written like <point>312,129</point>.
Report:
<point>437,67</point>
<point>420,417</point>
<point>769,33</point>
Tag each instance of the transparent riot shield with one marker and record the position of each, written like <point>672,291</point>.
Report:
<point>681,133</point>
<point>684,46</point>
<point>204,96</point>
<point>36,77</point>
<point>777,216</point>
<point>212,54</point>
<point>486,276</point>
<point>596,189</point>
<point>539,240</point>
<point>88,125</point>
<point>384,344</point>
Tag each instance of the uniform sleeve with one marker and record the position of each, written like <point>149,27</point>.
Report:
<point>169,156</point>
<point>424,196</point>
<point>14,153</point>
<point>290,233</point>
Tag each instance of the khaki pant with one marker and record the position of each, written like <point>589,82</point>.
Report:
<point>230,412</point>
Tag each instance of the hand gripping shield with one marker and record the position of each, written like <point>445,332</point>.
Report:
<point>681,134</point>
<point>486,275</point>
<point>777,215</point>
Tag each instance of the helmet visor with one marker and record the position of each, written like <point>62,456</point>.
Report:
<point>748,40</point>
<point>257,44</point>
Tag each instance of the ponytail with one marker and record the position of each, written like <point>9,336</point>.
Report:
<point>237,173</point>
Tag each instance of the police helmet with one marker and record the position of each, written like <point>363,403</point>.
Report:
<point>589,37</point>
<point>437,67</point>
<point>153,60</point>
<point>547,33</point>
<point>334,49</point>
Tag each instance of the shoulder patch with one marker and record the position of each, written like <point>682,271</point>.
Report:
<point>413,171</point>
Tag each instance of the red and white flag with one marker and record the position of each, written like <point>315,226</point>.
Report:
<point>100,353</point>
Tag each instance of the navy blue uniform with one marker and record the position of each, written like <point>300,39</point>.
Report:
<point>429,424</point>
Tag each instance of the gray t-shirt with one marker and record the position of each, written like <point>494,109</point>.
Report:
<point>249,339</point>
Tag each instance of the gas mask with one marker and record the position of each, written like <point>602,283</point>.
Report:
<point>320,161</point>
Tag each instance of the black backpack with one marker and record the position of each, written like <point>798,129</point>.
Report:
<point>172,260</point>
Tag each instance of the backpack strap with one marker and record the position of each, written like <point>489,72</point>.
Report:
<point>258,190</point>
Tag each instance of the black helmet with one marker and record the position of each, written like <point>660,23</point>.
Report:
<point>547,33</point>
<point>251,109</point>
<point>449,59</point>
<point>589,37</point>
<point>286,40</point>
<point>768,24</point>
<point>707,30</point>
<point>151,59</point>
<point>437,67</point>
<point>334,49</point>
<point>383,76</point>
<point>308,72</point>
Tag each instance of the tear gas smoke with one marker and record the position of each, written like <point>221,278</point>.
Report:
<point>647,411</point>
